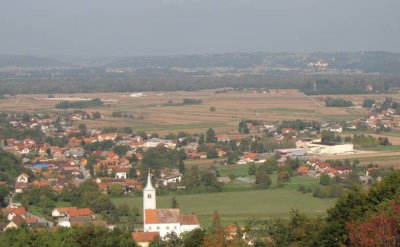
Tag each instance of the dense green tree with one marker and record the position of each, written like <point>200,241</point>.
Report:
<point>252,169</point>
<point>210,136</point>
<point>181,166</point>
<point>324,179</point>
<point>5,194</point>
<point>263,181</point>
<point>194,238</point>
<point>351,206</point>
<point>121,150</point>
<point>283,177</point>
<point>212,153</point>
<point>96,115</point>
<point>174,202</point>
<point>299,230</point>
<point>201,140</point>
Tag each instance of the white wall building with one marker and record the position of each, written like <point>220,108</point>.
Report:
<point>164,221</point>
<point>329,149</point>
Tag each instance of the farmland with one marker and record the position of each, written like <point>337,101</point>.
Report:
<point>165,112</point>
<point>240,206</point>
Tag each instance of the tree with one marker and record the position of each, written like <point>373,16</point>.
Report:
<point>157,242</point>
<point>252,169</point>
<point>283,177</point>
<point>181,166</point>
<point>212,109</point>
<point>216,221</point>
<point>116,190</point>
<point>26,118</point>
<point>243,127</point>
<point>191,179</point>
<point>368,103</point>
<point>327,137</point>
<point>379,229</point>
<point>96,115</point>
<point>299,230</point>
<point>4,196</point>
<point>210,136</point>
<point>127,130</point>
<point>194,238</point>
<point>324,179</point>
<point>174,203</point>
<point>121,150</point>
<point>212,153</point>
<point>351,206</point>
<point>263,181</point>
<point>201,140</point>
<point>232,157</point>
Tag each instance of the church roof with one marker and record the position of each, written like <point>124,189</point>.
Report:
<point>190,219</point>
<point>162,216</point>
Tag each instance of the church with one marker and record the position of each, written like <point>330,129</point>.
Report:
<point>165,220</point>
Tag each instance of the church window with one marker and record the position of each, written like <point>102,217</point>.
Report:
<point>149,196</point>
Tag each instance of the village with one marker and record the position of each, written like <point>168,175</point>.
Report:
<point>57,153</point>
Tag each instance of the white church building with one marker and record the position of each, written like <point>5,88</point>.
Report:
<point>166,220</point>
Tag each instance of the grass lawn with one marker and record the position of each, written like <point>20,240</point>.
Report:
<point>239,206</point>
<point>381,148</point>
<point>237,170</point>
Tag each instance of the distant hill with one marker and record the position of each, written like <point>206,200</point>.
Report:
<point>369,62</point>
<point>28,61</point>
<point>235,60</point>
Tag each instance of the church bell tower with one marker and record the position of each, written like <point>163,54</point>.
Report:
<point>149,196</point>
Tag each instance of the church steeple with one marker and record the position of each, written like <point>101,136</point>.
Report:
<point>149,185</point>
<point>149,196</point>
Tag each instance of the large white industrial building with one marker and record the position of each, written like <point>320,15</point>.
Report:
<point>316,147</point>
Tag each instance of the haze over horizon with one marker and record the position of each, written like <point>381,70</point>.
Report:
<point>100,28</point>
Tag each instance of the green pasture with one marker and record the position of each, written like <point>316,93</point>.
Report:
<point>243,205</point>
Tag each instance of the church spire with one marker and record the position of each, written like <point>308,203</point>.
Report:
<point>149,185</point>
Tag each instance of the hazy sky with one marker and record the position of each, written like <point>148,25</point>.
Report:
<point>95,28</point>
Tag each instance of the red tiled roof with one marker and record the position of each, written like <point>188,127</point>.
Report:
<point>17,211</point>
<point>190,219</point>
<point>249,155</point>
<point>303,169</point>
<point>157,216</point>
<point>145,236</point>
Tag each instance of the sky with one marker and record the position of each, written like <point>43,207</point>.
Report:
<point>105,28</point>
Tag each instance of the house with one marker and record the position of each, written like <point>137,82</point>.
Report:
<point>13,212</point>
<point>344,170</point>
<point>249,157</point>
<point>72,212</point>
<point>22,178</point>
<point>143,239</point>
<point>121,172</point>
<point>303,170</point>
<point>21,183</point>
<point>169,176</point>
<point>291,152</point>
<point>69,216</point>
<point>16,222</point>
<point>172,178</point>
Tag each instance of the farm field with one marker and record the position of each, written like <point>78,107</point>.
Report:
<point>240,206</point>
<point>165,112</point>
